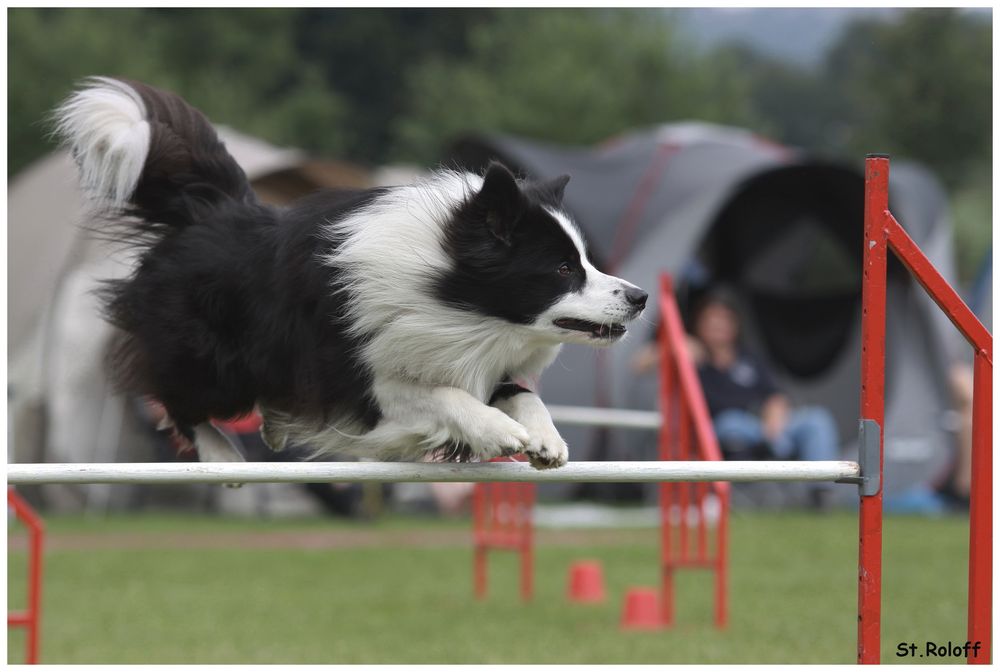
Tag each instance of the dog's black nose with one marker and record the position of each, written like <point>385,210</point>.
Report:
<point>636,297</point>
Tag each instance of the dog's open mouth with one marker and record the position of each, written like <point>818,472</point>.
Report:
<point>596,330</point>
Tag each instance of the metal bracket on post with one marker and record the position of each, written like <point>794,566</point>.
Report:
<point>869,454</point>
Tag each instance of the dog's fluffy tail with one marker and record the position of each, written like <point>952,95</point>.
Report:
<point>146,152</point>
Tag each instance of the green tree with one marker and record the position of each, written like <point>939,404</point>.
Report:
<point>241,67</point>
<point>364,55</point>
<point>919,87</point>
<point>377,85</point>
<point>790,103</point>
<point>572,76</point>
<point>47,51</point>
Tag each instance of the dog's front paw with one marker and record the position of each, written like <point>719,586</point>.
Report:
<point>495,434</point>
<point>547,450</point>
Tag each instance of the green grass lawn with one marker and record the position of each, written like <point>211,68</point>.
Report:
<point>793,598</point>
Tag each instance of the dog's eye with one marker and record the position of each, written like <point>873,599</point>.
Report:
<point>565,269</point>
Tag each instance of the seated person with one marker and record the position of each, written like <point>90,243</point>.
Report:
<point>949,490</point>
<point>748,410</point>
<point>752,417</point>
<point>747,407</point>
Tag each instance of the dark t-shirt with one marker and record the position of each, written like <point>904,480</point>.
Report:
<point>744,386</point>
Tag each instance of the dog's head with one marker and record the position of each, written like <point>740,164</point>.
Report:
<point>517,256</point>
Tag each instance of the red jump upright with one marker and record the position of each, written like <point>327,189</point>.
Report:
<point>881,233</point>
<point>502,519</point>
<point>690,513</point>
<point>30,617</point>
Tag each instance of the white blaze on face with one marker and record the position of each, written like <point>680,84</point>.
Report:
<point>602,299</point>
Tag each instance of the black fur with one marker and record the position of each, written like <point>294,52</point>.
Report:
<point>229,305</point>
<point>188,170</point>
<point>238,310</point>
<point>517,253</point>
<point>506,390</point>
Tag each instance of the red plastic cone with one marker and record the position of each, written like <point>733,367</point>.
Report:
<point>586,582</point>
<point>642,610</point>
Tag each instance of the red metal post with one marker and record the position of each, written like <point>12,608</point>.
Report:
<point>527,579</point>
<point>685,488</point>
<point>683,406</point>
<point>981,495</point>
<point>666,551</point>
<point>478,543</point>
<point>31,618</point>
<point>667,563</point>
<point>479,571</point>
<point>666,489</point>
<point>527,539</point>
<point>700,489</point>
<point>981,511</point>
<point>35,592</point>
<point>943,294</point>
<point>501,504</point>
<point>872,401</point>
<point>721,551</point>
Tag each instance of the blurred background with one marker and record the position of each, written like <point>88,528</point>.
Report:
<point>724,146</point>
<point>709,143</point>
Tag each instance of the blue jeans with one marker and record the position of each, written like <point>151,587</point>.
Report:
<point>809,435</point>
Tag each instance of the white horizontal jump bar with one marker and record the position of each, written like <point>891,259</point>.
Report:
<point>305,472</point>
<point>605,417</point>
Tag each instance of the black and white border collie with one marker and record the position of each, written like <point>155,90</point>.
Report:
<point>385,322</point>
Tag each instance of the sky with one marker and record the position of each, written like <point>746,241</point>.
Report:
<point>797,34</point>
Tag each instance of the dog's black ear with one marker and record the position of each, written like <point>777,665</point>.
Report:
<point>501,201</point>
<point>551,192</point>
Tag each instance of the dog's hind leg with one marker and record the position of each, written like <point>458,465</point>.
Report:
<point>214,446</point>
<point>272,430</point>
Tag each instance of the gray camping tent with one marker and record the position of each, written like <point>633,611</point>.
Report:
<point>784,230</point>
